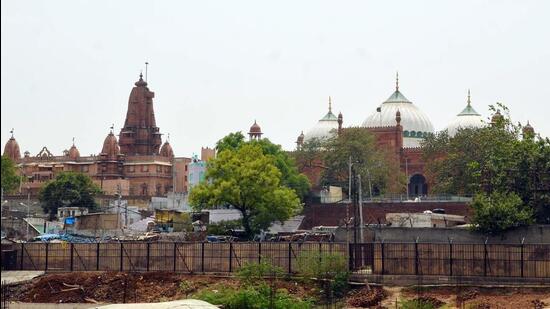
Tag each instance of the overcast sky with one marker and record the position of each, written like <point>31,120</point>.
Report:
<point>215,66</point>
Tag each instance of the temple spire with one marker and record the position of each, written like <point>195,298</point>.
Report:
<point>329,104</point>
<point>397,81</point>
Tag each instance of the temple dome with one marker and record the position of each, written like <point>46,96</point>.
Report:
<point>416,125</point>
<point>255,128</point>
<point>73,152</point>
<point>11,149</point>
<point>110,146</point>
<point>166,150</point>
<point>468,118</point>
<point>325,128</point>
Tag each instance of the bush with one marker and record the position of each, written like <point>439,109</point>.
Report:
<point>223,227</point>
<point>330,269</point>
<point>251,273</point>
<point>253,297</point>
<point>499,212</point>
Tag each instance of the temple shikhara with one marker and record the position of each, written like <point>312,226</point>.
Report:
<point>137,163</point>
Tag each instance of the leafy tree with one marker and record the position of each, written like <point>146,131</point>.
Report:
<point>68,189</point>
<point>369,161</point>
<point>495,158</point>
<point>290,176</point>
<point>248,180</point>
<point>10,178</point>
<point>499,212</point>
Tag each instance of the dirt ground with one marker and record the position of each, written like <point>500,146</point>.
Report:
<point>494,298</point>
<point>115,287</point>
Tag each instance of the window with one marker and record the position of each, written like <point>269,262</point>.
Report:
<point>85,168</point>
<point>413,134</point>
<point>406,133</point>
<point>159,168</point>
<point>145,168</point>
<point>186,167</point>
<point>131,168</point>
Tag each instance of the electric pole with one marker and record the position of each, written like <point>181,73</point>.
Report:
<point>360,209</point>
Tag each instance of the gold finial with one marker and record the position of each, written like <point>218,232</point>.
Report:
<point>11,132</point>
<point>329,104</point>
<point>112,128</point>
<point>397,81</point>
<point>469,101</point>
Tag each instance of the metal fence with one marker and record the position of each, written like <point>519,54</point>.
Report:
<point>443,259</point>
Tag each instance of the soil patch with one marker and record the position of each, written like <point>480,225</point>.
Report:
<point>366,297</point>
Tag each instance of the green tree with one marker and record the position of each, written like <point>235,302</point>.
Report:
<point>369,161</point>
<point>290,176</point>
<point>499,212</point>
<point>248,180</point>
<point>495,158</point>
<point>10,178</point>
<point>68,189</point>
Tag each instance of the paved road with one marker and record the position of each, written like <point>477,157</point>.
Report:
<point>19,276</point>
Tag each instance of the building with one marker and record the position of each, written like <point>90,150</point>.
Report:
<point>136,164</point>
<point>398,126</point>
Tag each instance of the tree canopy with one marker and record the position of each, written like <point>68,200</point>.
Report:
<point>248,180</point>
<point>10,178</point>
<point>494,158</point>
<point>68,189</point>
<point>290,176</point>
<point>498,212</point>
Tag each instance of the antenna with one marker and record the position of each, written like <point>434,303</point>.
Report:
<point>146,65</point>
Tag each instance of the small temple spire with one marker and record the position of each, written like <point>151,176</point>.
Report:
<point>329,104</point>
<point>469,101</point>
<point>397,81</point>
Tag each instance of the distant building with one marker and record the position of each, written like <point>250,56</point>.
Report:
<point>426,219</point>
<point>197,172</point>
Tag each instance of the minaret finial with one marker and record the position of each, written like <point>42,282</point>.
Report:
<point>329,104</point>
<point>73,140</point>
<point>11,132</point>
<point>112,128</point>
<point>168,138</point>
<point>146,64</point>
<point>141,75</point>
<point>469,101</point>
<point>397,81</point>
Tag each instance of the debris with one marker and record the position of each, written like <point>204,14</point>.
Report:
<point>366,297</point>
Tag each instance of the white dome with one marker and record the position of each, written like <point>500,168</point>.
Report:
<point>416,124</point>
<point>325,128</point>
<point>468,118</point>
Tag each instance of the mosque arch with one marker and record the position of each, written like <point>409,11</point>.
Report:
<point>418,185</point>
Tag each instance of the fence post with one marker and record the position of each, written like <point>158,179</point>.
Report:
<point>230,256</point>
<point>485,258</point>
<point>47,253</point>
<point>416,256</point>
<point>72,256</point>
<point>290,257</point>
<point>121,261</point>
<point>202,256</point>
<point>350,257</point>
<point>382,248</point>
<point>451,256</point>
<point>259,253</point>
<point>174,254</point>
<point>22,252</point>
<point>522,262</point>
<point>148,254</point>
<point>320,252</point>
<point>97,257</point>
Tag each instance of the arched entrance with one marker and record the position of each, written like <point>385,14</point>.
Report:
<point>418,185</point>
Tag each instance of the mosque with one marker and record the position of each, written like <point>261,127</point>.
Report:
<point>399,126</point>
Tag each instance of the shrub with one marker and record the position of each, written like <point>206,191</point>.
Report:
<point>330,269</point>
<point>251,273</point>
<point>253,297</point>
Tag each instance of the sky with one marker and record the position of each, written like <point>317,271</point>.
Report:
<point>216,66</point>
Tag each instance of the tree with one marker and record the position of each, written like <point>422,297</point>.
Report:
<point>248,180</point>
<point>499,212</point>
<point>68,189</point>
<point>494,158</point>
<point>10,178</point>
<point>369,161</point>
<point>290,176</point>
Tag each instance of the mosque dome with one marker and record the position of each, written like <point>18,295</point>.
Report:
<point>110,146</point>
<point>416,125</point>
<point>468,118</point>
<point>528,130</point>
<point>166,150</point>
<point>325,128</point>
<point>255,129</point>
<point>11,149</point>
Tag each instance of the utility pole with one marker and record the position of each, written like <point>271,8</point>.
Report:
<point>360,209</point>
<point>349,185</point>
<point>355,210</point>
